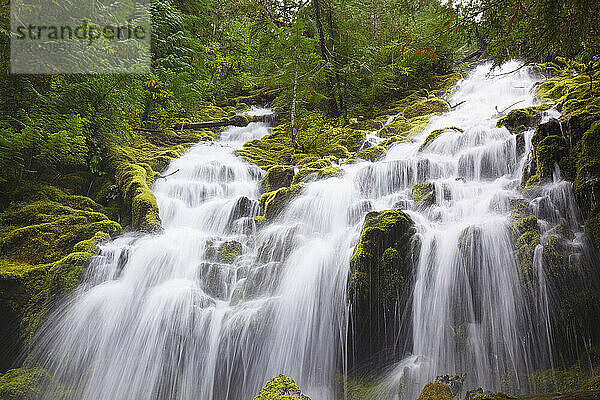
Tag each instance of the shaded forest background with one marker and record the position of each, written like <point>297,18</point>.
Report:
<point>342,58</point>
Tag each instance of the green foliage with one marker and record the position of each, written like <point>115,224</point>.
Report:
<point>535,30</point>
<point>592,384</point>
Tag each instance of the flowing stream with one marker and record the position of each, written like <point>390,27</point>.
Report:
<point>175,316</point>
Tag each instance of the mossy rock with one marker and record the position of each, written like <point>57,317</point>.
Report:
<point>278,148</point>
<point>310,174</point>
<point>379,271</point>
<point>241,120</point>
<point>523,119</point>
<point>229,251</point>
<point>372,153</point>
<point>549,148</point>
<point>272,203</point>
<point>281,388</point>
<point>436,133</point>
<point>423,194</point>
<point>432,105</point>
<point>495,396</point>
<point>445,83</point>
<point>278,176</point>
<point>404,127</point>
<point>526,233</point>
<point>28,383</point>
<point>436,391</point>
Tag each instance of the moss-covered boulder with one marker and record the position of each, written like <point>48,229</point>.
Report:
<point>28,383</point>
<point>318,150</point>
<point>278,176</point>
<point>380,269</point>
<point>549,148</point>
<point>372,153</point>
<point>423,194</point>
<point>431,105</point>
<point>436,391</point>
<point>436,133</point>
<point>495,396</point>
<point>526,235</point>
<point>273,203</point>
<point>404,127</point>
<point>523,119</point>
<point>313,174</point>
<point>281,388</point>
<point>229,251</point>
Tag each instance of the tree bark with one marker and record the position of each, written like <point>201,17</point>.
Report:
<point>330,84</point>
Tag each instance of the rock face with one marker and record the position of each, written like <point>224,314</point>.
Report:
<point>278,176</point>
<point>520,120</point>
<point>380,268</point>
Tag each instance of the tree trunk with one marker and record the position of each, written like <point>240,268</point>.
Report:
<point>330,84</point>
<point>293,116</point>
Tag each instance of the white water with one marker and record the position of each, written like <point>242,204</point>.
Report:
<point>158,317</point>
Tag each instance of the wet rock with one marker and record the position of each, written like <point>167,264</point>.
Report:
<point>272,203</point>
<point>373,153</point>
<point>436,133</point>
<point>277,177</point>
<point>244,207</point>
<point>229,251</point>
<point>523,119</point>
<point>380,268</point>
<point>423,194</point>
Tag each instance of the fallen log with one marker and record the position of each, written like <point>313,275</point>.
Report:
<point>238,120</point>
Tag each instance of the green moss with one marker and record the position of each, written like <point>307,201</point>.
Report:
<point>592,384</point>
<point>561,380</point>
<point>229,251</point>
<point>526,234</point>
<point>44,231</point>
<point>436,391</point>
<point>523,119</point>
<point>431,105</point>
<point>281,388</point>
<point>423,194</point>
<point>278,148</point>
<point>380,265</point>
<point>494,396</point>
<point>373,153</point>
<point>241,120</point>
<point>404,127</point>
<point>436,133</point>
<point>272,203</point>
<point>278,176</point>
<point>445,83</point>
<point>27,383</point>
<point>549,148</point>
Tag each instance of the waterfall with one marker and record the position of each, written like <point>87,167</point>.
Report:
<point>214,306</point>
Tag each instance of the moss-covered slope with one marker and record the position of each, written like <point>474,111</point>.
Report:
<point>51,225</point>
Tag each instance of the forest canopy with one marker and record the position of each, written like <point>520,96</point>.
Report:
<point>341,58</point>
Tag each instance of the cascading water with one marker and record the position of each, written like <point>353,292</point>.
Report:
<point>214,306</point>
